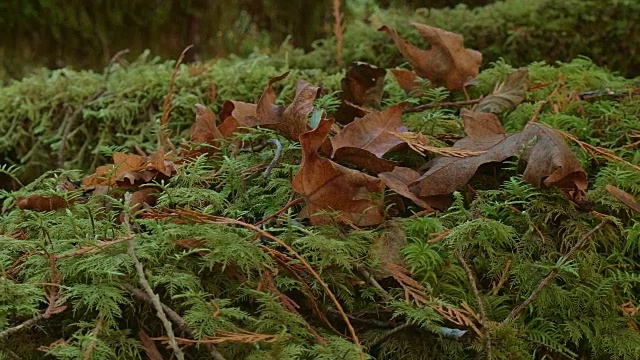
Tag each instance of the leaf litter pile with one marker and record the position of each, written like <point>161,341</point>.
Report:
<point>351,178</point>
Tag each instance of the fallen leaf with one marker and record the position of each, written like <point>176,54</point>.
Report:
<point>507,95</point>
<point>549,159</point>
<point>363,159</point>
<point>290,121</point>
<point>327,186</point>
<point>38,202</point>
<point>149,346</point>
<point>388,245</point>
<point>205,130</point>
<point>129,170</point>
<point>447,63</point>
<point>361,86</point>
<point>371,132</point>
<point>235,114</point>
<point>408,80</point>
<point>399,179</point>
<point>624,196</point>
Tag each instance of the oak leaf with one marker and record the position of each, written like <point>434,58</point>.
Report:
<point>447,63</point>
<point>399,179</point>
<point>327,186</point>
<point>507,95</point>
<point>371,132</point>
<point>550,162</point>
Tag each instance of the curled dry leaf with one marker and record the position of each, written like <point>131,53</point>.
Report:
<point>399,179</point>
<point>549,159</point>
<point>361,86</point>
<point>290,121</point>
<point>447,63</point>
<point>507,95</point>
<point>131,169</point>
<point>327,186</point>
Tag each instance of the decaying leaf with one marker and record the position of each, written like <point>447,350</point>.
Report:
<point>149,346</point>
<point>38,202</point>
<point>131,169</point>
<point>388,245</point>
<point>507,95</point>
<point>327,186</point>
<point>447,63</point>
<point>290,121</point>
<point>408,80</point>
<point>361,86</point>
<point>549,159</point>
<point>624,197</point>
<point>205,130</point>
<point>371,132</point>
<point>399,179</point>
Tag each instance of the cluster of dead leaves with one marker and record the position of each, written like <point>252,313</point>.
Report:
<point>335,192</point>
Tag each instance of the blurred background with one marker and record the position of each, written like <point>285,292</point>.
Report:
<point>87,33</point>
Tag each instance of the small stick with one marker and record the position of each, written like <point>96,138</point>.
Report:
<point>552,275</point>
<point>276,157</point>
<point>181,324</point>
<point>19,327</point>
<point>476,293</point>
<point>155,299</point>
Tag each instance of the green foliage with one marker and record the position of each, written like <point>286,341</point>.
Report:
<point>223,278</point>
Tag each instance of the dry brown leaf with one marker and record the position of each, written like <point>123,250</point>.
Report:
<point>363,159</point>
<point>507,95</point>
<point>361,86</point>
<point>371,132</point>
<point>408,80</point>
<point>290,121</point>
<point>549,159</point>
<point>388,245</point>
<point>130,169</point>
<point>149,346</point>
<point>205,130</point>
<point>623,196</point>
<point>327,186</point>
<point>447,63</point>
<point>399,179</point>
<point>39,202</point>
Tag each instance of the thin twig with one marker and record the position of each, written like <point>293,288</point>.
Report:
<point>19,327</point>
<point>476,293</point>
<point>276,157</point>
<point>284,208</point>
<point>155,299</point>
<point>94,341</point>
<point>547,280</point>
<point>435,105</point>
<point>371,280</point>
<point>181,324</point>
